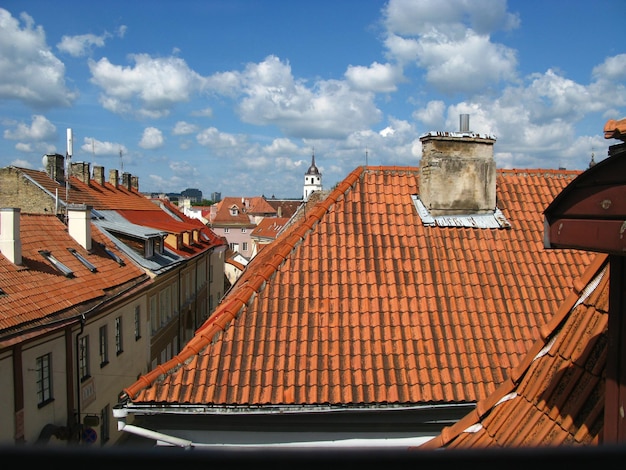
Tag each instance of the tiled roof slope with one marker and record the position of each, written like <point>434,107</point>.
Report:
<point>269,227</point>
<point>359,303</point>
<point>99,196</point>
<point>258,206</point>
<point>556,395</point>
<point>36,293</point>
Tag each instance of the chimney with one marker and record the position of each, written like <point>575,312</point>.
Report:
<point>10,243</point>
<point>55,167</point>
<point>98,174</point>
<point>79,224</point>
<point>81,171</point>
<point>458,172</point>
<point>126,181</point>
<point>134,182</point>
<point>113,177</point>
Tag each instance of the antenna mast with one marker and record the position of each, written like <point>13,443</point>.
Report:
<point>121,162</point>
<point>68,158</point>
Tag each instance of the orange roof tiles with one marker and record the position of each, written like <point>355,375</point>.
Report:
<point>28,286</point>
<point>360,303</point>
<point>556,396</point>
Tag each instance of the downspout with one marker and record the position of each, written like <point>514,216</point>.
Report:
<point>157,436</point>
<point>76,346</point>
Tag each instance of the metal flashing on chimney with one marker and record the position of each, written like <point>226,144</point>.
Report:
<point>494,220</point>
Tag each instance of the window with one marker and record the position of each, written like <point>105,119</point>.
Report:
<point>226,230</point>
<point>137,322</point>
<point>163,307</point>
<point>44,379</point>
<point>244,246</point>
<point>83,357</point>
<point>104,349</point>
<point>104,424</point>
<point>119,349</point>
<point>243,230</point>
<point>154,326</point>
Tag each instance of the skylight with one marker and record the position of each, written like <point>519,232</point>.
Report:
<point>80,258</point>
<point>67,272</point>
<point>119,260</point>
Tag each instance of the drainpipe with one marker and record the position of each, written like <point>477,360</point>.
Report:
<point>78,335</point>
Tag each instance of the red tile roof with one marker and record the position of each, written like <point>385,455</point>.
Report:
<point>28,286</point>
<point>269,227</point>
<point>361,304</point>
<point>556,395</point>
<point>256,206</point>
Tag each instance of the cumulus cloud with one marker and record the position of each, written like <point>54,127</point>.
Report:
<point>80,45</point>
<point>102,148</point>
<point>149,88</point>
<point>184,128</point>
<point>330,109</point>
<point>216,140</point>
<point>152,138</point>
<point>30,72</point>
<point>39,130</point>
<point>379,78</point>
<point>451,41</point>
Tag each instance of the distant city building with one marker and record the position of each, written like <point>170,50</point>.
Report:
<point>216,197</point>
<point>194,195</point>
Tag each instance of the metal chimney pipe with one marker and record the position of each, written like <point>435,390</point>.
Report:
<point>464,122</point>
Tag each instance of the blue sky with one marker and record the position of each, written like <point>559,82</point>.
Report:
<point>235,96</point>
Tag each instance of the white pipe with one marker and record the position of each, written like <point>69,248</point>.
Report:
<point>157,436</point>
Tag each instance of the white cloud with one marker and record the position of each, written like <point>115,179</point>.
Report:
<point>152,138</point>
<point>330,109</point>
<point>150,88</point>
<point>432,116</point>
<point>81,45</point>
<point>451,41</point>
<point>39,130</point>
<point>379,78</point>
<point>30,73</point>
<point>216,140</point>
<point>184,128</point>
<point>99,148</point>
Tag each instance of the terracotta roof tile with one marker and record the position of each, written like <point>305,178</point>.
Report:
<point>477,310</point>
<point>555,396</point>
<point>28,286</point>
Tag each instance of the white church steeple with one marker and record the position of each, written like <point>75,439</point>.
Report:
<point>312,179</point>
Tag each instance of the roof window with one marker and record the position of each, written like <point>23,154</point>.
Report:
<point>80,258</point>
<point>67,272</point>
<point>119,260</point>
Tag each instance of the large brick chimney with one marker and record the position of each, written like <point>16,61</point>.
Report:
<point>458,172</point>
<point>55,167</point>
<point>80,170</point>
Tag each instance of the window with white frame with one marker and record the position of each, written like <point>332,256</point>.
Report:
<point>244,246</point>
<point>44,379</point>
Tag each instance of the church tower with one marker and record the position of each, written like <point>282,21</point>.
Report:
<point>312,179</point>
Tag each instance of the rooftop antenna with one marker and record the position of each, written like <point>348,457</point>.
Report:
<point>93,150</point>
<point>121,162</point>
<point>366,155</point>
<point>68,158</point>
